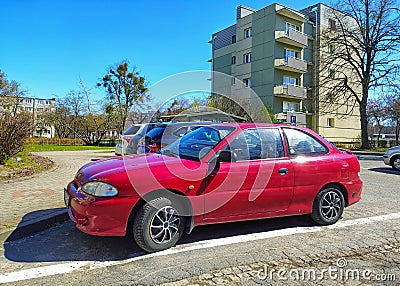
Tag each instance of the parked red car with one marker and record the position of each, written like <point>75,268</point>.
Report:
<point>217,173</point>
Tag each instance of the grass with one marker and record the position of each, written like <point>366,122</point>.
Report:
<point>24,164</point>
<point>50,147</point>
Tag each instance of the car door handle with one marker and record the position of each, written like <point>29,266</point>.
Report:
<point>283,171</point>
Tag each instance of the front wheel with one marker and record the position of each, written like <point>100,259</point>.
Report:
<point>396,163</point>
<point>328,206</point>
<point>158,225</point>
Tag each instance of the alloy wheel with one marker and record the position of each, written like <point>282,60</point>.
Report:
<point>331,205</point>
<point>164,225</point>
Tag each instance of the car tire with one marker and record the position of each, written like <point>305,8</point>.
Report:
<point>158,225</point>
<point>328,205</point>
<point>395,163</point>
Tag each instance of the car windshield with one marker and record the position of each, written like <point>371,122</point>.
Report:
<point>198,143</point>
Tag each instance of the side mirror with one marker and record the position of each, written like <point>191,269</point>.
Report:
<point>227,156</point>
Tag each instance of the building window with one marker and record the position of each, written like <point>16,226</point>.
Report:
<point>40,101</point>
<point>332,24</point>
<point>233,39</point>
<point>247,82</point>
<point>233,60</point>
<point>331,122</point>
<point>28,108</point>
<point>233,80</point>
<point>331,48</point>
<point>291,54</point>
<point>48,102</point>
<point>28,101</point>
<point>290,106</point>
<point>248,32</point>
<point>287,80</point>
<point>291,26</point>
<point>331,73</point>
<point>247,58</point>
<point>329,98</point>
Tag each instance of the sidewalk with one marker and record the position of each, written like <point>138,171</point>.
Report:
<point>31,204</point>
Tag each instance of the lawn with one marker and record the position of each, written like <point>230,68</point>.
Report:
<point>50,147</point>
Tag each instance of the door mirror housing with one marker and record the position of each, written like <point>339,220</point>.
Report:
<point>227,156</point>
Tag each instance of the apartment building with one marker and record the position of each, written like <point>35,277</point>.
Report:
<point>276,51</point>
<point>35,106</point>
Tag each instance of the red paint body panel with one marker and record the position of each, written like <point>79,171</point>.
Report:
<point>218,192</point>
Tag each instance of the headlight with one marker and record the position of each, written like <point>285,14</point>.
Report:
<point>99,189</point>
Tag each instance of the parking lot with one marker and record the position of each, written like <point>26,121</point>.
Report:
<point>245,253</point>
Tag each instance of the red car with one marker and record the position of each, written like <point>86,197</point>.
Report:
<point>217,173</point>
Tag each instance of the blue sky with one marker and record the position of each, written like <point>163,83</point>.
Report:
<point>47,45</point>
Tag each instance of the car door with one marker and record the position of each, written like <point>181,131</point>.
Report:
<point>260,180</point>
<point>312,163</point>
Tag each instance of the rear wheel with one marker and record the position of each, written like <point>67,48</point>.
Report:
<point>328,206</point>
<point>395,162</point>
<point>158,225</point>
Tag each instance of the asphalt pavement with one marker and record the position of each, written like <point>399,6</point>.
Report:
<point>29,205</point>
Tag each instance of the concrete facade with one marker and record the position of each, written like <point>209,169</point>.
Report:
<point>276,51</point>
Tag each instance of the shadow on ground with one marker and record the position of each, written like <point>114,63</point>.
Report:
<point>385,170</point>
<point>37,221</point>
<point>64,242</point>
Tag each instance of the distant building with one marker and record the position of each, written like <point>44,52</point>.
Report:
<point>37,106</point>
<point>276,51</point>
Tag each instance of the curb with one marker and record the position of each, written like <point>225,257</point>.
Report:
<point>25,229</point>
<point>368,153</point>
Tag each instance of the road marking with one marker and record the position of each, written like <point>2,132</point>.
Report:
<point>65,268</point>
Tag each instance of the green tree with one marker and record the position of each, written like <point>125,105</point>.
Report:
<point>125,89</point>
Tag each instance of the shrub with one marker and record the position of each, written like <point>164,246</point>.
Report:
<point>14,130</point>
<point>382,144</point>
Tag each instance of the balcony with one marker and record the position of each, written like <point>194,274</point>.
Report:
<point>290,91</point>
<point>291,64</point>
<point>292,37</point>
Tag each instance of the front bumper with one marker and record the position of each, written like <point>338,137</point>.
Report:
<point>98,216</point>
<point>386,159</point>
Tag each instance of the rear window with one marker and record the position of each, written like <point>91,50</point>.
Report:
<point>156,132</point>
<point>146,129</point>
<point>132,130</point>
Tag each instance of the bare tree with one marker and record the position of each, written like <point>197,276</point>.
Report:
<point>361,52</point>
<point>377,113</point>
<point>80,116</point>
<point>15,126</point>
<point>393,110</point>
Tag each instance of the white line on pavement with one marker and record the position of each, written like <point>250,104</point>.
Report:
<point>64,268</point>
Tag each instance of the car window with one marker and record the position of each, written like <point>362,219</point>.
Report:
<point>197,143</point>
<point>132,130</point>
<point>301,143</point>
<point>156,132</point>
<point>254,144</point>
<point>180,132</point>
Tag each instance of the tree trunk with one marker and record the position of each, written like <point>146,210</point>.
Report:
<point>364,123</point>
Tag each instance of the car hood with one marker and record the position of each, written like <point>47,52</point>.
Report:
<point>131,163</point>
